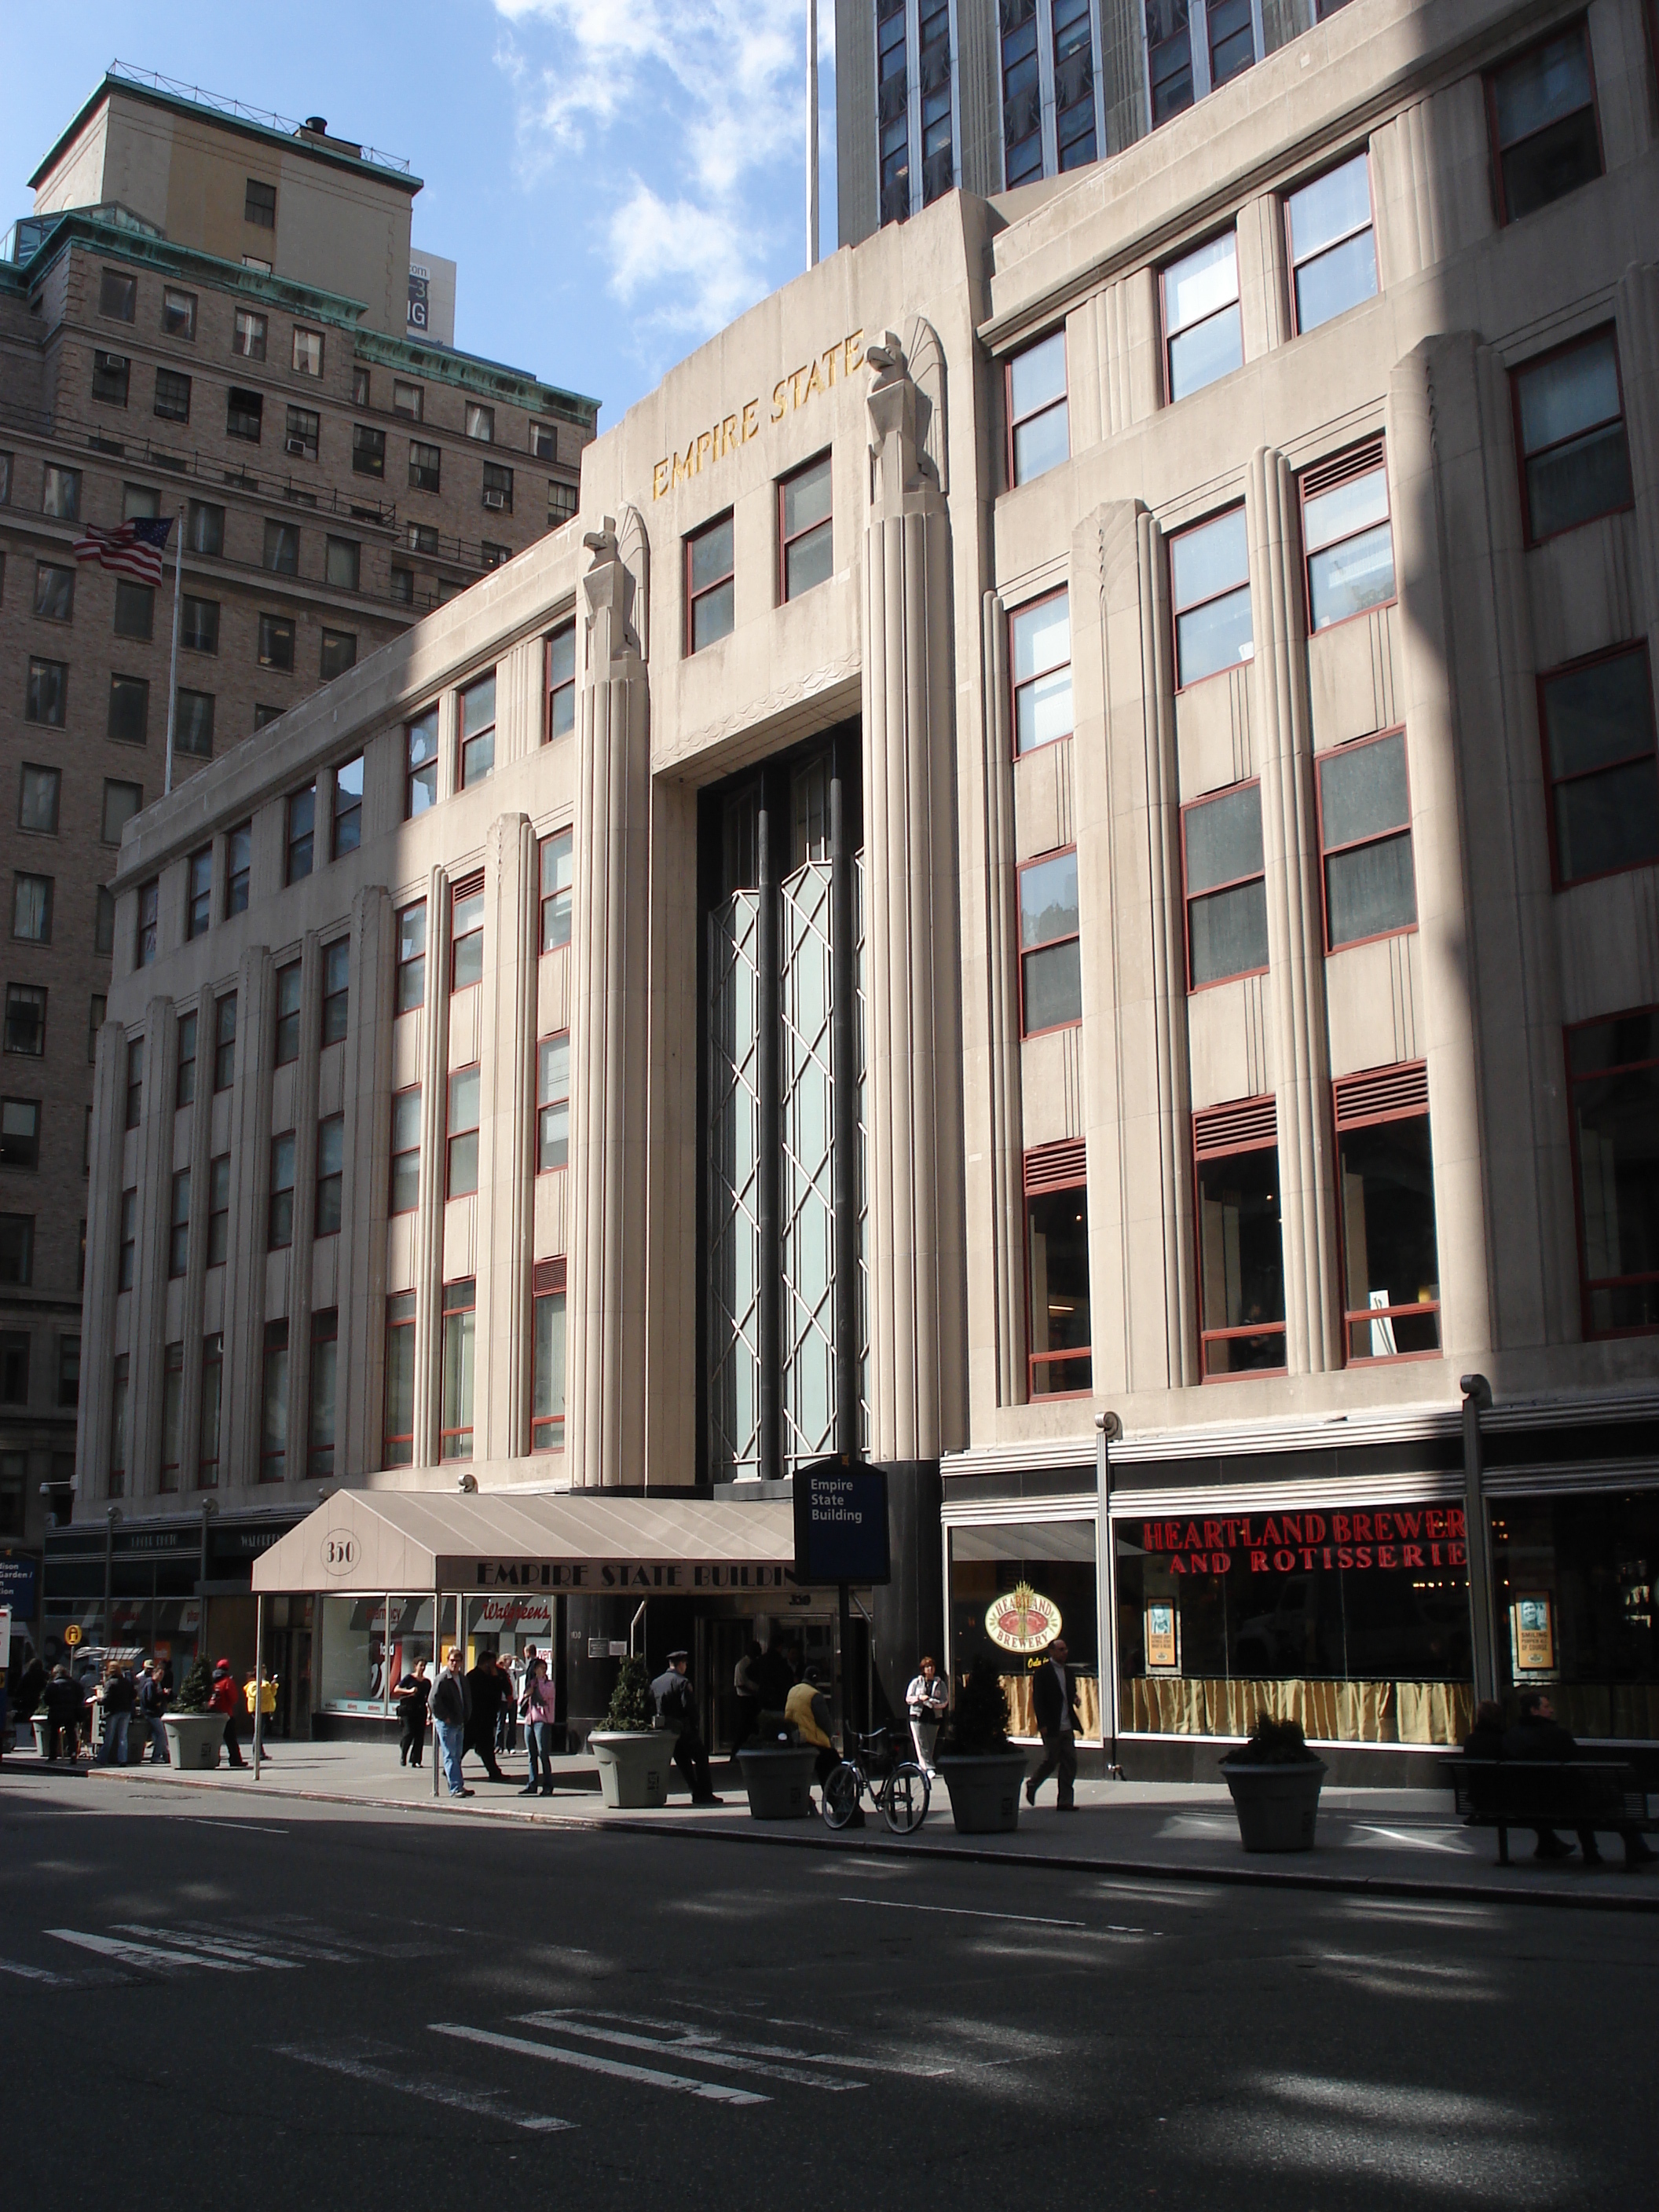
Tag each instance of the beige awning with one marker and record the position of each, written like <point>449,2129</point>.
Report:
<point>360,1543</point>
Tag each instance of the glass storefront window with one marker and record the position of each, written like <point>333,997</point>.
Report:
<point>1354,1622</point>
<point>1573,1591</point>
<point>1053,1562</point>
<point>357,1669</point>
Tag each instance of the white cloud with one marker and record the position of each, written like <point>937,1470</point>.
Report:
<point>671,130</point>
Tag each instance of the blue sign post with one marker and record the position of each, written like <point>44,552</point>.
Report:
<point>840,1522</point>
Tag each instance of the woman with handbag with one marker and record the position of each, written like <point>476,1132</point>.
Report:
<point>538,1707</point>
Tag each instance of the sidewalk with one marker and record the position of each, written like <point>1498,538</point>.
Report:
<point>1381,1842</point>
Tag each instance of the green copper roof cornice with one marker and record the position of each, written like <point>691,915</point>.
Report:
<point>445,365</point>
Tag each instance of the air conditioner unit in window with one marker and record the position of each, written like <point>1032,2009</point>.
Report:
<point>495,499</point>
<point>297,445</point>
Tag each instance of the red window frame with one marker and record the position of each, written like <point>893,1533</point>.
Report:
<point>173,1364</point>
<point>273,1465</point>
<point>453,1304</point>
<point>825,522</point>
<point>1047,1171</point>
<point>545,1106</point>
<point>184,1076</point>
<point>224,1041</point>
<point>1323,476</point>
<point>134,1082</point>
<point>1289,193</point>
<point>1522,368</point>
<point>1177,610</point>
<point>320,1458</point>
<point>464,737</point>
<point>1167,337</point>
<point>278,1190</point>
<point>1399,1092</point>
<point>556,693</point>
<point>414,769</point>
<point>1072,937</point>
<point>1628,647</point>
<point>471,888</point>
<point>213,1357</point>
<point>1012,422</point>
<point>550,914</point>
<point>1242,1125</point>
<point>1587,1284</point>
<point>289,979</point>
<point>1489,88</point>
<point>399,1314</point>
<point>395,1152</point>
<point>1383,836</point>
<point>694,539</point>
<point>457,1132</point>
<point>179,1226</point>
<point>406,962</point>
<point>1016,686</point>
<point>320,1180</point>
<point>1214,890</point>
<point>218,1212</point>
<point>547,1280</point>
<point>335,1009</point>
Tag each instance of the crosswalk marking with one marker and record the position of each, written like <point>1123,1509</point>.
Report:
<point>486,2104</point>
<point>134,1953</point>
<point>35,1973</point>
<point>969,1912</point>
<point>210,1948</point>
<point>919,2064</point>
<point>703,2049</point>
<point>555,2054</point>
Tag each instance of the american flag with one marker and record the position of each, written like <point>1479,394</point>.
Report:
<point>135,549</point>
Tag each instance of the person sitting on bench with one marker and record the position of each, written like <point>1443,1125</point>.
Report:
<point>1538,1734</point>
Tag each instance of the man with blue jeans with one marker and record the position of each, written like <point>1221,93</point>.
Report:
<point>152,1704</point>
<point>449,1715</point>
<point>118,1700</point>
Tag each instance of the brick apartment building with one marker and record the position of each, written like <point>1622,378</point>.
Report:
<point>205,317</point>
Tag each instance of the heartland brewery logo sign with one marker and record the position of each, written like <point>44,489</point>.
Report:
<point>1388,1536</point>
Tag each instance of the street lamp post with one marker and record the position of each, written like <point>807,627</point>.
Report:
<point>1108,1430</point>
<point>1477,1399</point>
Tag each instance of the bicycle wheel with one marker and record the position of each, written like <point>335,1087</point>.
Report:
<point>904,1801</point>
<point>842,1787</point>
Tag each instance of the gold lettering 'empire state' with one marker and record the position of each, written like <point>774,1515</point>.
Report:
<point>791,391</point>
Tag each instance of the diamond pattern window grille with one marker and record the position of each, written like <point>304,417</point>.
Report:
<point>734,1221</point>
<point>807,1193</point>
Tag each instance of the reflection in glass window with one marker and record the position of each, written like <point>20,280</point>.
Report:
<point>1039,422</point>
<point>1210,578</point>
<point>1598,750</point>
<point>1051,962</point>
<point>1333,251</point>
<point>1040,651</point>
<point>1613,1069</point>
<point>1057,1288</point>
<point>1575,455</point>
<point>1203,336</point>
<point>1226,887</point>
<point>1364,818</point>
<point>1348,539</point>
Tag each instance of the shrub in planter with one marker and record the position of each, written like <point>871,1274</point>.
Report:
<point>1274,1778</point>
<point>194,1730</point>
<point>982,1770</point>
<point>632,1752</point>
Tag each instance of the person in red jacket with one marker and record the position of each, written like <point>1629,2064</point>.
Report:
<point>223,1700</point>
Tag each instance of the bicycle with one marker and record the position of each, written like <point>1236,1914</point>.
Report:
<point>897,1787</point>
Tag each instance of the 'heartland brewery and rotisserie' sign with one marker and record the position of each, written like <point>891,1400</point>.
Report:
<point>1414,1537</point>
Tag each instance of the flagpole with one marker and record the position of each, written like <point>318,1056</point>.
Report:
<point>172,672</point>
<point>812,133</point>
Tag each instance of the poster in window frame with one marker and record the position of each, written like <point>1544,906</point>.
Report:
<point>1163,1633</point>
<point>1532,1615</point>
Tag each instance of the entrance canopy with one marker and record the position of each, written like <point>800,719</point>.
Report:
<point>360,1543</point>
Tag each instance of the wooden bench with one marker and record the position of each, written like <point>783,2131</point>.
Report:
<point>1549,1793</point>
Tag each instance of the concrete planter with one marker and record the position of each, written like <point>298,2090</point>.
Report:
<point>42,1728</point>
<point>633,1769</point>
<point>985,1791</point>
<point>194,1740</point>
<point>778,1783</point>
<point>1277,1805</point>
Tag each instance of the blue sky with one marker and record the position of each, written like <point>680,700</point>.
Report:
<point>615,178</point>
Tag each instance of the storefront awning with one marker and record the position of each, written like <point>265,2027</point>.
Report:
<point>358,1543</point>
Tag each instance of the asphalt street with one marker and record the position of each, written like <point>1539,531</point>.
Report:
<point>294,2004</point>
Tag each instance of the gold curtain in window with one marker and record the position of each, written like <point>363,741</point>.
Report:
<point>1437,1713</point>
<point>1018,1690</point>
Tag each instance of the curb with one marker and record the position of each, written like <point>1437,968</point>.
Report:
<point>1237,1877</point>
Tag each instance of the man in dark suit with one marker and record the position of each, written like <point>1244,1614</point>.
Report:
<point>1054,1701</point>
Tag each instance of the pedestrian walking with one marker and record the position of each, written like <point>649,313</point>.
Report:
<point>152,1707</point>
<point>927,1701</point>
<point>260,1692</point>
<point>450,1702</point>
<point>31,1688</point>
<point>539,1705</point>
<point>1054,1701</point>
<point>747,1689</point>
<point>119,1699</point>
<point>64,1707</point>
<point>488,1683</point>
<point>677,1708</point>
<point>222,1699</point>
<point>412,1693</point>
